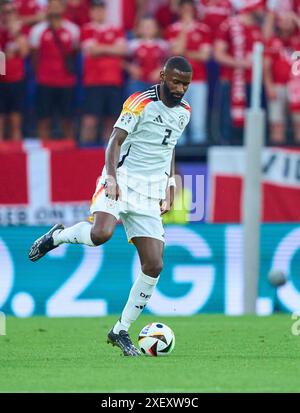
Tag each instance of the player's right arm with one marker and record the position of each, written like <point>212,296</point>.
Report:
<point>126,124</point>
<point>112,156</point>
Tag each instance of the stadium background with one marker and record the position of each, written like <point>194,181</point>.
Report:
<point>52,180</point>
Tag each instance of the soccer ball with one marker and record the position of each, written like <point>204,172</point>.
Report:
<point>156,339</point>
<point>277,278</point>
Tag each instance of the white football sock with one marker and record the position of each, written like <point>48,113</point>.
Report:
<point>140,294</point>
<point>78,234</point>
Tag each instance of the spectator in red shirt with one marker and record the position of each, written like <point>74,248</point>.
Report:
<point>192,39</point>
<point>233,50</point>
<point>103,47</point>
<point>14,44</point>
<point>78,11</point>
<point>167,14</point>
<point>214,12</point>
<point>281,82</point>
<point>30,12</point>
<point>54,43</point>
<point>146,55</point>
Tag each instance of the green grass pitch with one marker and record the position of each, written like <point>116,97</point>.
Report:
<point>213,353</point>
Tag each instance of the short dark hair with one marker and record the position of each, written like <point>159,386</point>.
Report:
<point>179,63</point>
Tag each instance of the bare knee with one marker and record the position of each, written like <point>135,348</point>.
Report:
<point>153,268</point>
<point>100,235</point>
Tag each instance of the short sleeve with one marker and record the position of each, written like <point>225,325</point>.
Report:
<point>132,111</point>
<point>127,119</point>
<point>35,35</point>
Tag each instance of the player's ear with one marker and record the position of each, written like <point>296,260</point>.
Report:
<point>162,76</point>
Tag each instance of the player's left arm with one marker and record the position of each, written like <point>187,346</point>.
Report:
<point>166,204</point>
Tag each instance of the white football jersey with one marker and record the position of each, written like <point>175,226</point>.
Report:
<point>153,131</point>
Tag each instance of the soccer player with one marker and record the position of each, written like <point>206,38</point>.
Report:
<point>137,185</point>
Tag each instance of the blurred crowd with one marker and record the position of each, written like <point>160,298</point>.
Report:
<point>70,65</point>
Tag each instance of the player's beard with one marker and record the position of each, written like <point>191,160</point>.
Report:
<point>171,99</point>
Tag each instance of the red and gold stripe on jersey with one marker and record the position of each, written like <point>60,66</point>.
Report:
<point>137,102</point>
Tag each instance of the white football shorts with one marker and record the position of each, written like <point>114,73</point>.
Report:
<point>139,214</point>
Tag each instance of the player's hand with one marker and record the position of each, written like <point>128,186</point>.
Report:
<point>112,190</point>
<point>166,204</point>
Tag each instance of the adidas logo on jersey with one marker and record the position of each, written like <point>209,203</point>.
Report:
<point>158,119</point>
